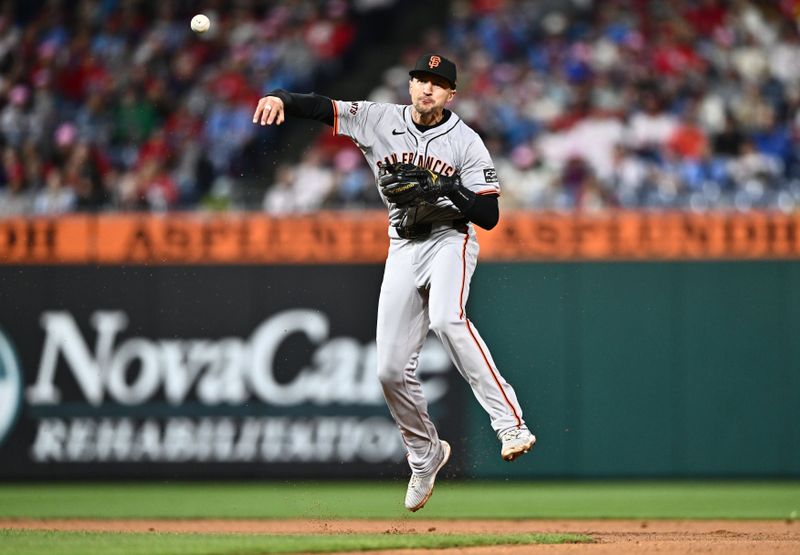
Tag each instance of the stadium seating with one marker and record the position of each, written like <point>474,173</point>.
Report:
<point>680,104</point>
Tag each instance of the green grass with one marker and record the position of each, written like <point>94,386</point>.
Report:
<point>79,543</point>
<point>452,500</point>
<point>726,500</point>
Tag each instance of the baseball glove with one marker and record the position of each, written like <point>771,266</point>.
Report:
<point>407,184</point>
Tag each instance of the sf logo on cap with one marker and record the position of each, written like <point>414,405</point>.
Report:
<point>434,62</point>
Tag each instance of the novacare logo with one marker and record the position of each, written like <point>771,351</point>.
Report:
<point>107,397</point>
<point>225,371</point>
<point>10,386</point>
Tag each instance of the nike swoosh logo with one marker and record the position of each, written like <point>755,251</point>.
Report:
<point>396,132</point>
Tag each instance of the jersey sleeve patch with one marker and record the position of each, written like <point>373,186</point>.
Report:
<point>490,175</point>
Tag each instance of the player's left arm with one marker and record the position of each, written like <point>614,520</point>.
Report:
<point>478,187</point>
<point>406,184</point>
<point>482,210</point>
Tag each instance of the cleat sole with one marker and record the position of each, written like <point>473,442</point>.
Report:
<point>519,451</point>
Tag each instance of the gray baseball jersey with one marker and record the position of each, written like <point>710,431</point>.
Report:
<point>426,280</point>
<point>386,134</point>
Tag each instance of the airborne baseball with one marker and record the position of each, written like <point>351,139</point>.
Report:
<point>200,23</point>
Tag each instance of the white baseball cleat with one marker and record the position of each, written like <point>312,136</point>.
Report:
<point>516,442</point>
<point>420,487</point>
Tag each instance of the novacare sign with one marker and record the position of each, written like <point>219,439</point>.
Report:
<point>122,399</point>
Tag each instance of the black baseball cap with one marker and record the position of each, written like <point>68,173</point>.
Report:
<point>436,65</point>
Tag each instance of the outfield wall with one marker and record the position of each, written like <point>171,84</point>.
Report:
<point>647,369</point>
<point>148,348</point>
<point>200,372</point>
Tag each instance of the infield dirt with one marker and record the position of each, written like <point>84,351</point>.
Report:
<point>729,537</point>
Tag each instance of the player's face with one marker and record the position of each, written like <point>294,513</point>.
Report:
<point>429,93</point>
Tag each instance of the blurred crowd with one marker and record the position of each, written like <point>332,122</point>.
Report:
<point>584,104</point>
<point>118,105</point>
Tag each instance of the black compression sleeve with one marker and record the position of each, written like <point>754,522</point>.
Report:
<point>307,106</point>
<point>482,210</point>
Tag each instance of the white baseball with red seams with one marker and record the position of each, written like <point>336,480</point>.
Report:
<point>426,281</point>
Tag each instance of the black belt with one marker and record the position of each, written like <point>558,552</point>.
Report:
<point>418,231</point>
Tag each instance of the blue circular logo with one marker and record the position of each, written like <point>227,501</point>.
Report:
<point>10,386</point>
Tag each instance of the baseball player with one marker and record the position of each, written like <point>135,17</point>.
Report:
<point>437,179</point>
